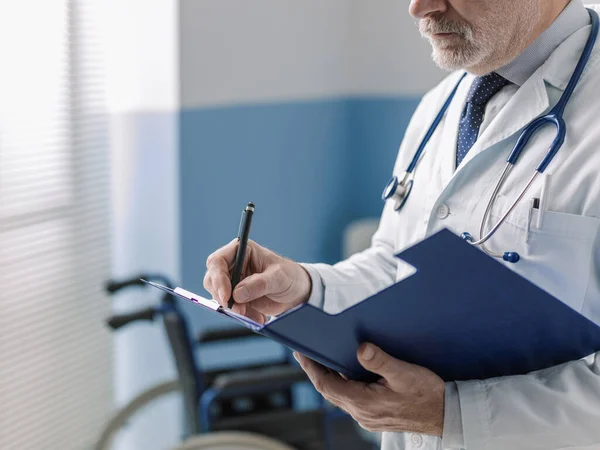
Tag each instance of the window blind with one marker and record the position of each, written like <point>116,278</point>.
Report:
<point>55,352</point>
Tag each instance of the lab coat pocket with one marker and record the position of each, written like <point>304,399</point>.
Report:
<point>556,256</point>
<point>561,253</point>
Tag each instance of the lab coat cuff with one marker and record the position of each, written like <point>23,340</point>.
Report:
<point>453,437</point>
<point>475,415</point>
<point>317,294</point>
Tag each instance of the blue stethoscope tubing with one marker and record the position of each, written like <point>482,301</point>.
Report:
<point>399,190</point>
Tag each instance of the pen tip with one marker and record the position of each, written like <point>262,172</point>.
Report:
<point>250,205</point>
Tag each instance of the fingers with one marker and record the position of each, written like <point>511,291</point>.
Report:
<point>267,306</point>
<point>216,280</point>
<point>239,309</point>
<point>258,317</point>
<point>377,361</point>
<point>249,312</point>
<point>224,258</point>
<point>271,281</point>
<point>330,384</point>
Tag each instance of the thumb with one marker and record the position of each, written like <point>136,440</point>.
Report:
<point>377,361</point>
<point>256,286</point>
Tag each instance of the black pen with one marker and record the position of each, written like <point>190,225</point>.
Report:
<point>243,234</point>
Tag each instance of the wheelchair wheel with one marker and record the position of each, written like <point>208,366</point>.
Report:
<point>121,417</point>
<point>232,440</point>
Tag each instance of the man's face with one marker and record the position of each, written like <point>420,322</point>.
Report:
<point>475,34</point>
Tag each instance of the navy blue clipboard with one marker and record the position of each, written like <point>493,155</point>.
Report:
<point>496,323</point>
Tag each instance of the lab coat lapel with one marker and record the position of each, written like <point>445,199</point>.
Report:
<point>532,99</point>
<point>529,102</point>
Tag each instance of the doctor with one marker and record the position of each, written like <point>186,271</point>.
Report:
<point>519,56</point>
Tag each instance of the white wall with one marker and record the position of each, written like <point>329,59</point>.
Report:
<point>389,55</point>
<point>235,51</point>
<point>142,54</point>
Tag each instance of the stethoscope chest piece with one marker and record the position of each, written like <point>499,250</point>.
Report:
<point>398,191</point>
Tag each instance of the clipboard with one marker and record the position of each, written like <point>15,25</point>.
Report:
<point>495,323</point>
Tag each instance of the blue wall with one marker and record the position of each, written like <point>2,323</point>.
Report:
<point>310,167</point>
<point>376,127</point>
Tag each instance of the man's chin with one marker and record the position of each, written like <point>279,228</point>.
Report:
<point>450,60</point>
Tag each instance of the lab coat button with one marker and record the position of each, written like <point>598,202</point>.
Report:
<point>442,212</point>
<point>416,439</point>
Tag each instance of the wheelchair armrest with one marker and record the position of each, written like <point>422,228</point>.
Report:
<point>270,377</point>
<point>225,334</point>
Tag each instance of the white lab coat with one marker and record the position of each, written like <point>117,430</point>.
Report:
<point>557,408</point>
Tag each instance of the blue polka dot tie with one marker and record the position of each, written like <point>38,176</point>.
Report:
<point>482,90</point>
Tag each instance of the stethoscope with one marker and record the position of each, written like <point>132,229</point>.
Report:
<point>399,190</point>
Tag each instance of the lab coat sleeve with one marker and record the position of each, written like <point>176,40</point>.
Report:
<point>337,287</point>
<point>453,436</point>
<point>556,408</point>
<point>317,292</point>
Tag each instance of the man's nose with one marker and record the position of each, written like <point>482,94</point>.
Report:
<point>420,9</point>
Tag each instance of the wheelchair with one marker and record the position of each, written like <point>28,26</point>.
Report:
<point>247,404</point>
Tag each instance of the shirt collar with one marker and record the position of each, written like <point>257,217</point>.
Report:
<point>571,19</point>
